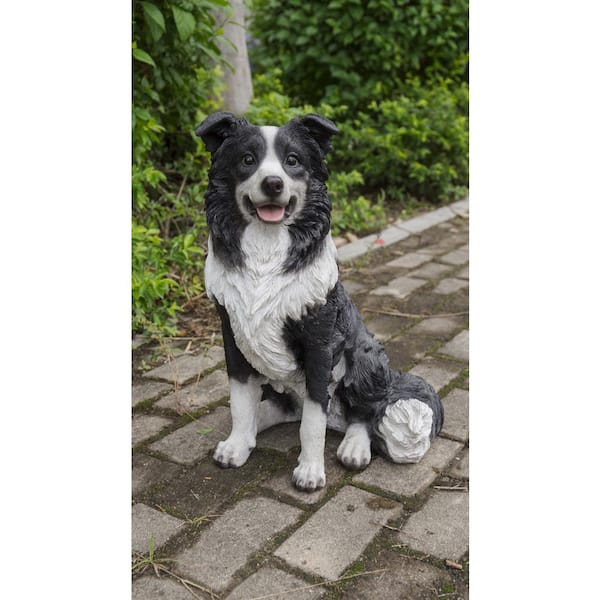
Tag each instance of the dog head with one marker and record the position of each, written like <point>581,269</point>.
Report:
<point>270,172</point>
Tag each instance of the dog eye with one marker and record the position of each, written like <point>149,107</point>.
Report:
<point>291,160</point>
<point>248,159</point>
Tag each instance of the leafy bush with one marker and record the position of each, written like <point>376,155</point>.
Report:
<point>174,44</point>
<point>150,283</point>
<point>414,146</point>
<point>352,52</point>
<point>176,82</point>
<point>166,271</point>
<point>270,105</point>
<point>352,212</point>
<point>392,74</point>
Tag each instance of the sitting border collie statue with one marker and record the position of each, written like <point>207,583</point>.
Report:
<point>295,345</point>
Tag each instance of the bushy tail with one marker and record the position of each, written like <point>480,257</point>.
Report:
<point>402,410</point>
<point>408,422</point>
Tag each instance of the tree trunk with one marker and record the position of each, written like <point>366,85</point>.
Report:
<point>238,83</point>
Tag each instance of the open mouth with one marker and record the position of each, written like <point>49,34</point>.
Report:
<point>271,212</point>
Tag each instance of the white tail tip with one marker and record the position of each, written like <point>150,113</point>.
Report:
<point>406,428</point>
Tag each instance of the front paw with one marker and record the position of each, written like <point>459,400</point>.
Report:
<point>232,453</point>
<point>309,476</point>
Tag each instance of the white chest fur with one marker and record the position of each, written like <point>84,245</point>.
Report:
<point>260,298</point>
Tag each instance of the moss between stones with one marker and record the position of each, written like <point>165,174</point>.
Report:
<point>409,503</point>
<point>458,382</point>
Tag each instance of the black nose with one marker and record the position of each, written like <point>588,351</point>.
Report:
<point>272,185</point>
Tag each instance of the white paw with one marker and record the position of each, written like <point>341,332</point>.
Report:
<point>309,476</point>
<point>355,450</point>
<point>233,452</point>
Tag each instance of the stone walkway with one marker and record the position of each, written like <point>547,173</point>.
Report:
<point>390,531</point>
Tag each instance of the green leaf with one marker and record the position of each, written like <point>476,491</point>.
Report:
<point>214,55</point>
<point>143,57</point>
<point>184,21</point>
<point>205,430</point>
<point>153,13</point>
<point>356,12</point>
<point>155,20</point>
<point>151,547</point>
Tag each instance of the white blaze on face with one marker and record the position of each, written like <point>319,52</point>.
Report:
<point>270,166</point>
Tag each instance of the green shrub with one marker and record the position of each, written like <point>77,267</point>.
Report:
<point>353,52</point>
<point>150,283</point>
<point>175,52</point>
<point>414,146</point>
<point>166,274</point>
<point>352,212</point>
<point>176,83</point>
<point>270,105</point>
<point>392,74</point>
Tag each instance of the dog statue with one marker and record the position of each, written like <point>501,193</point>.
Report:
<point>295,345</point>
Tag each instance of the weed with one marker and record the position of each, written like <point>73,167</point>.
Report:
<point>143,563</point>
<point>195,521</point>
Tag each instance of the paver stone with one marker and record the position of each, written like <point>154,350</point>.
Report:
<point>403,579</point>
<point>209,389</point>
<point>441,527</point>
<point>267,581</point>
<point>410,260</point>
<point>186,367</point>
<point>456,414</point>
<point>146,426</point>
<point>335,536</point>
<point>228,543</point>
<point>449,286</point>
<point>410,479</point>
<point>437,373</point>
<point>190,443</point>
<point>400,287</point>
<point>458,347</point>
<point>165,588</point>
<point>148,522</point>
<point>148,391</point>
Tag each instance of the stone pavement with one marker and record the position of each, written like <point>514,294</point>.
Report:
<point>390,531</point>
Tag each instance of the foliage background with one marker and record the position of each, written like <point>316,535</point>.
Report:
<point>177,72</point>
<point>393,74</point>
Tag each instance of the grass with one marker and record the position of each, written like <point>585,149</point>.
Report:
<point>144,563</point>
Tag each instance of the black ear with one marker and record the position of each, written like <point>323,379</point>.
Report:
<point>214,129</point>
<point>321,129</point>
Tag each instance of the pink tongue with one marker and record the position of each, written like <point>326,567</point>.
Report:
<point>270,212</point>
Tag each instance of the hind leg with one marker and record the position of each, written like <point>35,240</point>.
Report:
<point>271,412</point>
<point>355,450</point>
